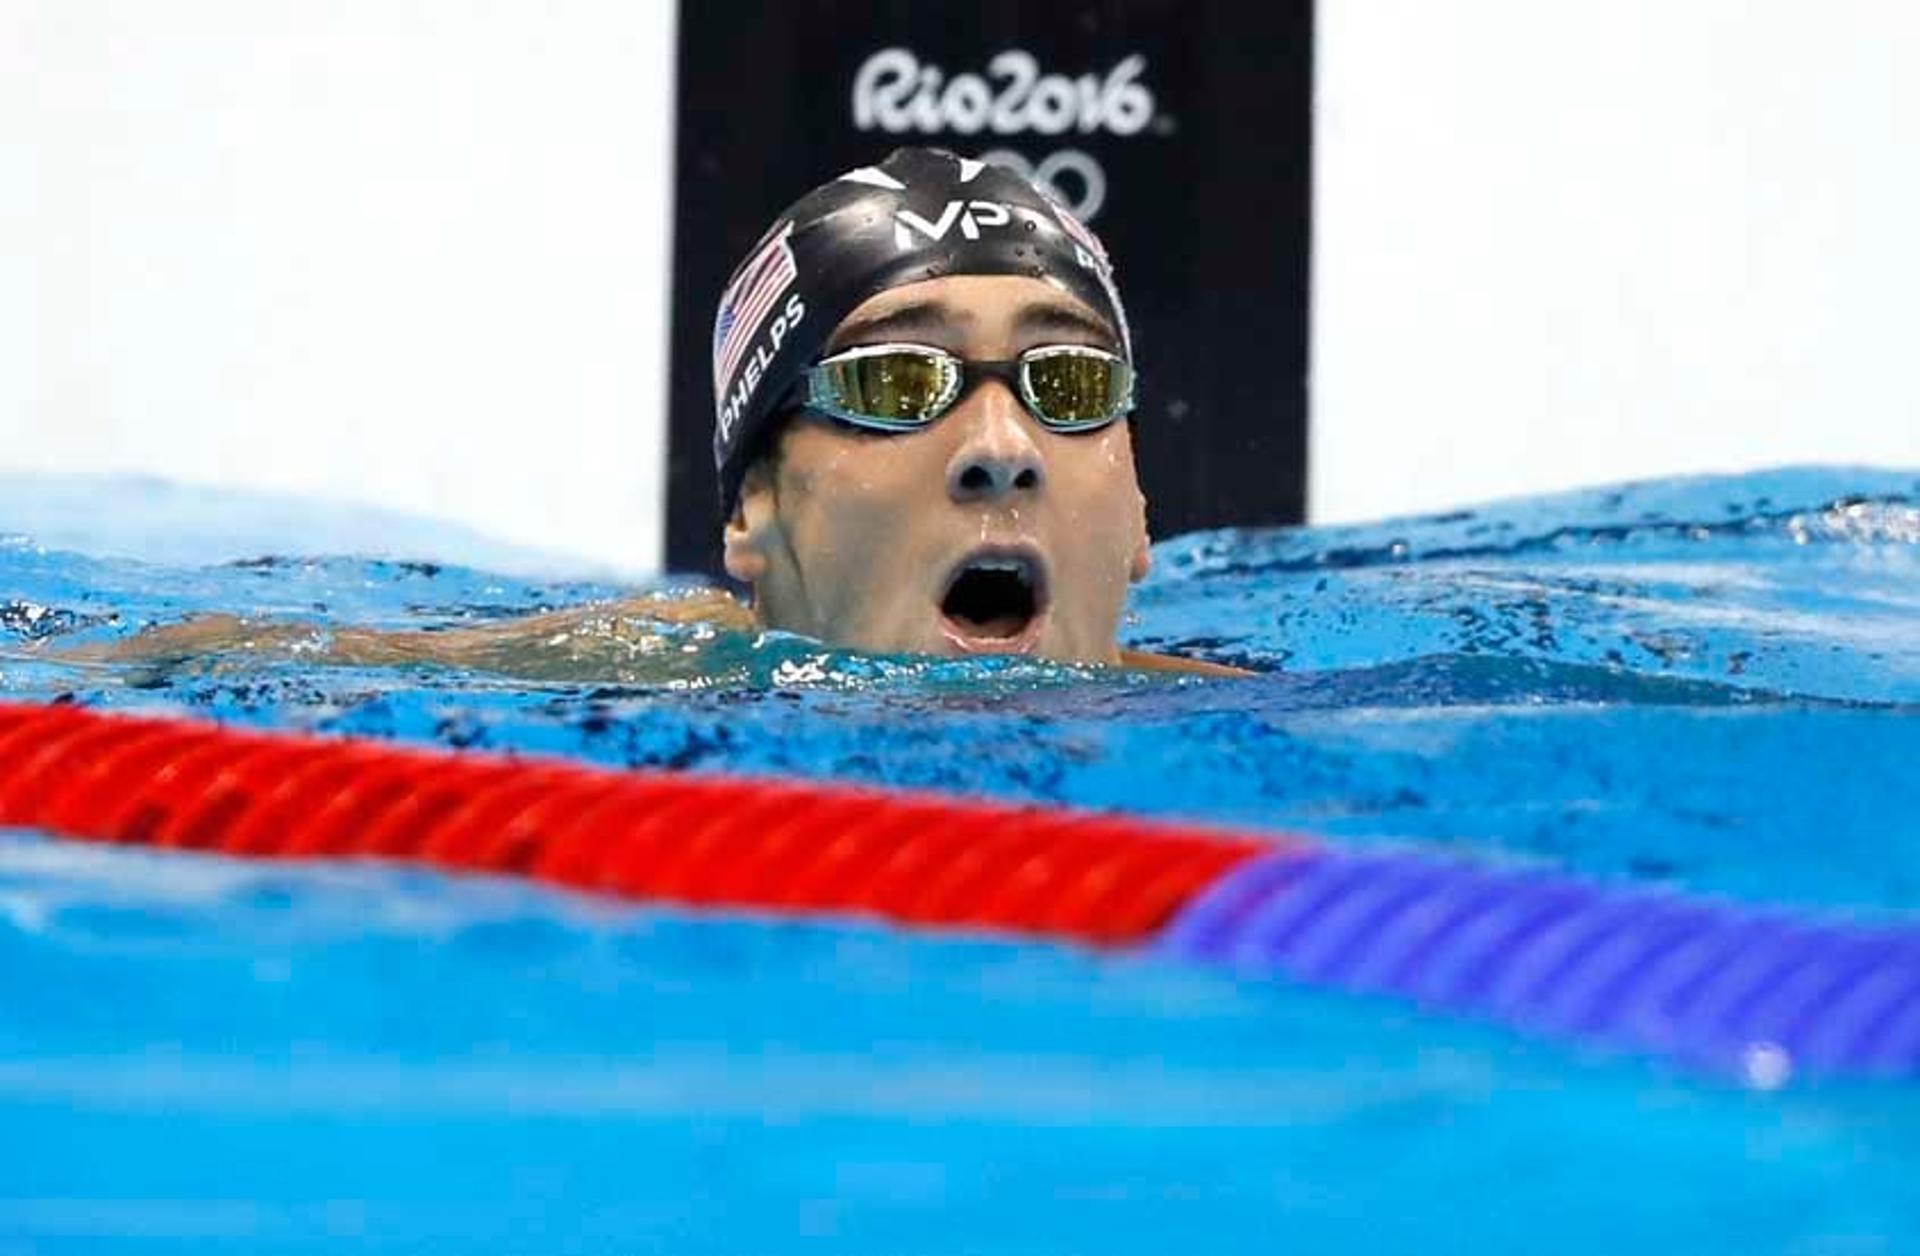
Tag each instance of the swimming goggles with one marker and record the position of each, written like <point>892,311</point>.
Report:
<point>903,388</point>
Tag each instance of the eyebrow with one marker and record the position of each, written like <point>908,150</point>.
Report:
<point>929,318</point>
<point>1051,318</point>
<point>920,318</point>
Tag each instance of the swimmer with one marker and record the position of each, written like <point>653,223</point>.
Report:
<point>924,383</point>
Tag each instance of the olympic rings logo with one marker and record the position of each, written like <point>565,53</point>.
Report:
<point>1069,176</point>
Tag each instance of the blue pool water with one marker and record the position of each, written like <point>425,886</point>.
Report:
<point>1711,685</point>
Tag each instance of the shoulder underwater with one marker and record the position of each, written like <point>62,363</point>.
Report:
<point>574,642</point>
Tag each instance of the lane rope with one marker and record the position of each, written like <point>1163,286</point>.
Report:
<point>697,840</point>
<point>1764,993</point>
<point>1731,987</point>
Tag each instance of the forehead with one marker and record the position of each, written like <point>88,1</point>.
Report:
<point>994,306</point>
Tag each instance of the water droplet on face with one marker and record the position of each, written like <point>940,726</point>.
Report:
<point>1030,224</point>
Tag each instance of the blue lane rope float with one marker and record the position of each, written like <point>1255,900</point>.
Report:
<point>1717,984</point>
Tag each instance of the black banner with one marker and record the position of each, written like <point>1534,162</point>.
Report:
<point>1178,129</point>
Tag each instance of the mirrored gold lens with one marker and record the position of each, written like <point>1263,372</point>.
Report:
<point>1074,389</point>
<point>898,387</point>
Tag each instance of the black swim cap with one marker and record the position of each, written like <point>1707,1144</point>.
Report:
<point>920,214</point>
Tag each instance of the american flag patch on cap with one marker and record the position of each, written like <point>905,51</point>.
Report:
<point>747,301</point>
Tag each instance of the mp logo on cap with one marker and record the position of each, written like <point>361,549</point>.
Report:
<point>970,215</point>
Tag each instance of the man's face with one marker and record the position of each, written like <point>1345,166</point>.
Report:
<point>982,533</point>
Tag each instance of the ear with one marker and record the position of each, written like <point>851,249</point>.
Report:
<point>747,536</point>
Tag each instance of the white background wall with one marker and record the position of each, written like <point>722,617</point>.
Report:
<point>415,253</point>
<point>391,251</point>
<point>1559,242</point>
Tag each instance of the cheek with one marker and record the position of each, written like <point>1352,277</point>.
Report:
<point>1104,529</point>
<point>1104,502</point>
<point>855,474</point>
<point>852,511</point>
<point>836,504</point>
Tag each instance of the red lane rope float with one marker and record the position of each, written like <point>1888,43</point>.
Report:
<point>721,841</point>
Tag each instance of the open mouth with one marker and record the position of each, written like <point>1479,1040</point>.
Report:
<point>994,600</point>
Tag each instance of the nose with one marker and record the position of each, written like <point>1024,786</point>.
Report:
<point>997,457</point>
